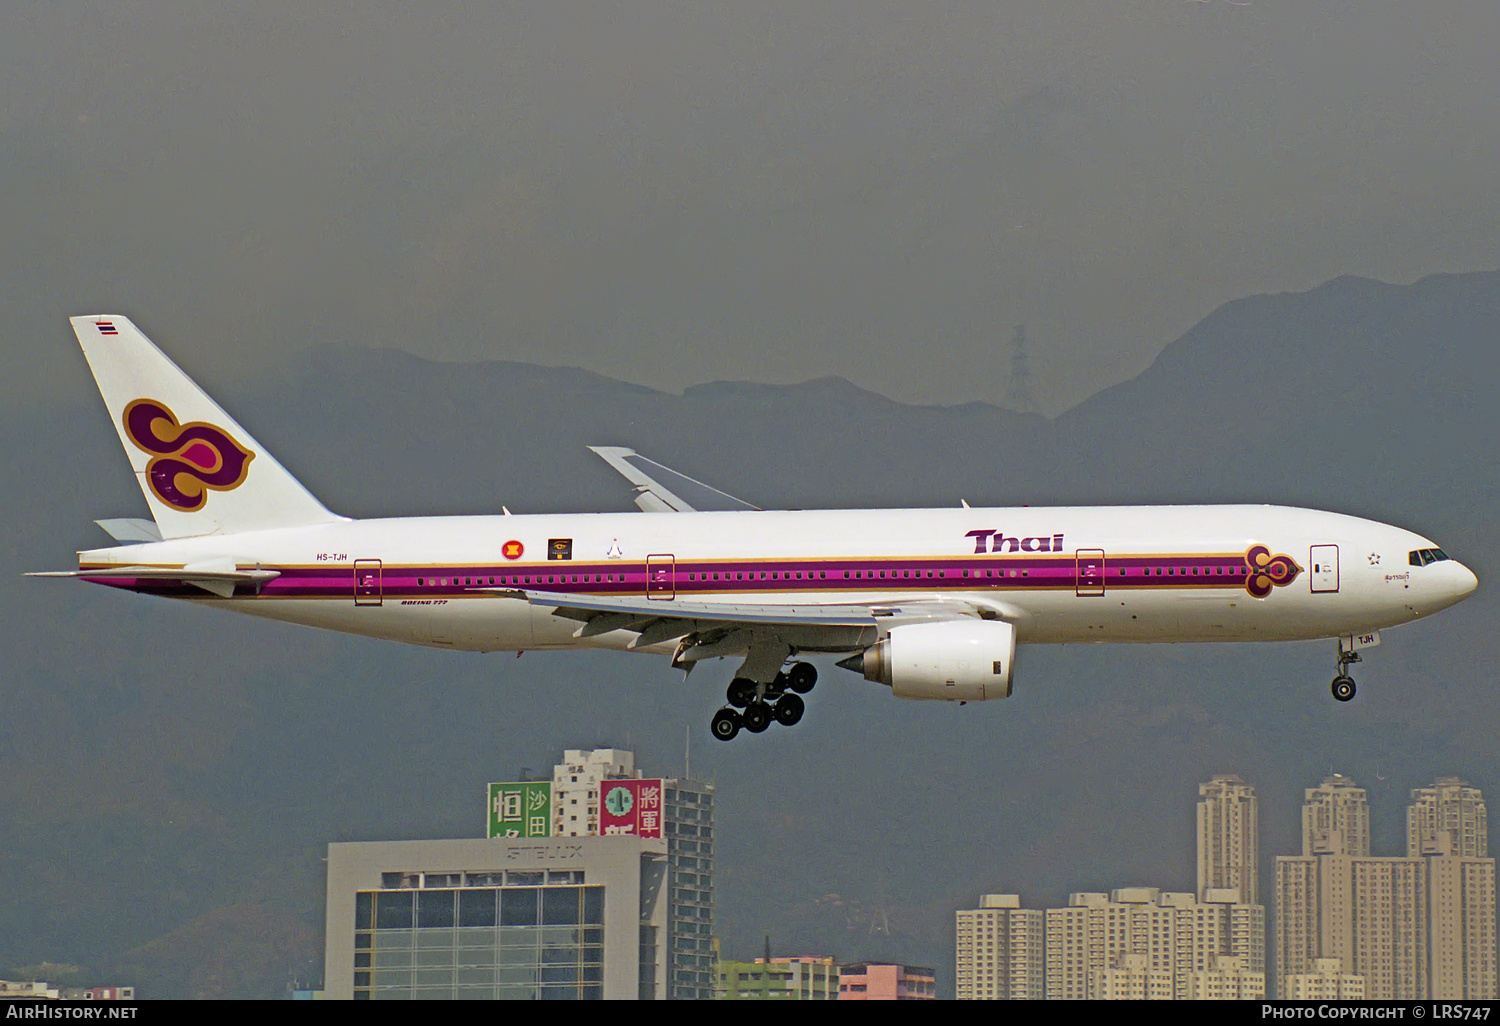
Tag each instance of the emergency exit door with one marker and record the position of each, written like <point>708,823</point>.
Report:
<point>367,582</point>
<point>661,576</point>
<point>1090,579</point>
<point>1324,560</point>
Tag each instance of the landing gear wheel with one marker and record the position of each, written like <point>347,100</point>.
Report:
<point>725,724</point>
<point>741,692</point>
<point>802,677</point>
<point>756,717</point>
<point>788,710</point>
<point>1343,684</point>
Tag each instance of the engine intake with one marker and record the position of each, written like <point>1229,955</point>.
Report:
<point>954,660</point>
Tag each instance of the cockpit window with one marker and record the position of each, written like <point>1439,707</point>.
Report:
<point>1421,557</point>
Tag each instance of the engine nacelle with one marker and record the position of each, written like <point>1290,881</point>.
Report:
<point>954,660</point>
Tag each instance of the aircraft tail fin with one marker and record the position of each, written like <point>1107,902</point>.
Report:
<point>200,471</point>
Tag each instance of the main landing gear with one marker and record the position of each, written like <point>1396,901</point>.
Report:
<point>1343,685</point>
<point>754,706</point>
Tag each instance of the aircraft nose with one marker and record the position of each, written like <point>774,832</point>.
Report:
<point>1464,582</point>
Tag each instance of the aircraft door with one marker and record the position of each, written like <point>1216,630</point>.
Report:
<point>1090,579</point>
<point>661,576</point>
<point>1324,560</point>
<point>368,590</point>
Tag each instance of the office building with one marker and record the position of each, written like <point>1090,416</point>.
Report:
<point>796,978</point>
<point>1422,926</point>
<point>1001,951</point>
<point>1450,806</point>
<point>1229,979</point>
<point>1228,842</point>
<point>1132,977</point>
<point>883,981</point>
<point>1336,819</point>
<point>1173,932</point>
<point>1447,827</point>
<point>1325,980</point>
<point>575,788</point>
<point>688,827</point>
<point>595,884</point>
<point>1336,901</point>
<point>601,792</point>
<point>517,918</point>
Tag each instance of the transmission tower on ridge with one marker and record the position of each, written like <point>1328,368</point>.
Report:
<point>1019,396</point>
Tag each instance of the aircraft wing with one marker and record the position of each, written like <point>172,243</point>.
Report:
<point>710,625</point>
<point>661,489</point>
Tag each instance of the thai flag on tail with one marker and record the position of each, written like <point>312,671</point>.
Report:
<point>106,327</point>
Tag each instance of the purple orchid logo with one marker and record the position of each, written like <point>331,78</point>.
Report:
<point>1268,571</point>
<point>187,459</point>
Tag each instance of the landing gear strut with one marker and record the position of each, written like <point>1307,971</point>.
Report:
<point>754,707</point>
<point>1343,685</point>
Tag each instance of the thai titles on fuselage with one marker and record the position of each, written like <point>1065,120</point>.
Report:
<point>999,541</point>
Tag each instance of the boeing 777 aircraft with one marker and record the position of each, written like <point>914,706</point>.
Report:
<point>930,602</point>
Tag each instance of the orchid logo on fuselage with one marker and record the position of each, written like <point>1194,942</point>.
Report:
<point>998,541</point>
<point>186,459</point>
<point>1267,571</point>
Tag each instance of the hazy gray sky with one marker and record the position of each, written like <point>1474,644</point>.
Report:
<point>675,193</point>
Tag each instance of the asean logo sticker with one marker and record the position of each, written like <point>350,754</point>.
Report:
<point>186,459</point>
<point>512,549</point>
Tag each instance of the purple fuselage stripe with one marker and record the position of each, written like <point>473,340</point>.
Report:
<point>699,578</point>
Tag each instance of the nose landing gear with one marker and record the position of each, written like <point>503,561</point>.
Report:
<point>754,706</point>
<point>1343,685</point>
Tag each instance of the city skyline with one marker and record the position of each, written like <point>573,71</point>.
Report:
<point>1345,922</point>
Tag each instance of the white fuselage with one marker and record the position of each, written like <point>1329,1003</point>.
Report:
<point>1062,574</point>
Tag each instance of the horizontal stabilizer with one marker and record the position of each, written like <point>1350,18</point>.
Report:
<point>220,582</point>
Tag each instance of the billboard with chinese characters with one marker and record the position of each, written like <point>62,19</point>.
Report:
<point>630,807</point>
<point>522,809</point>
